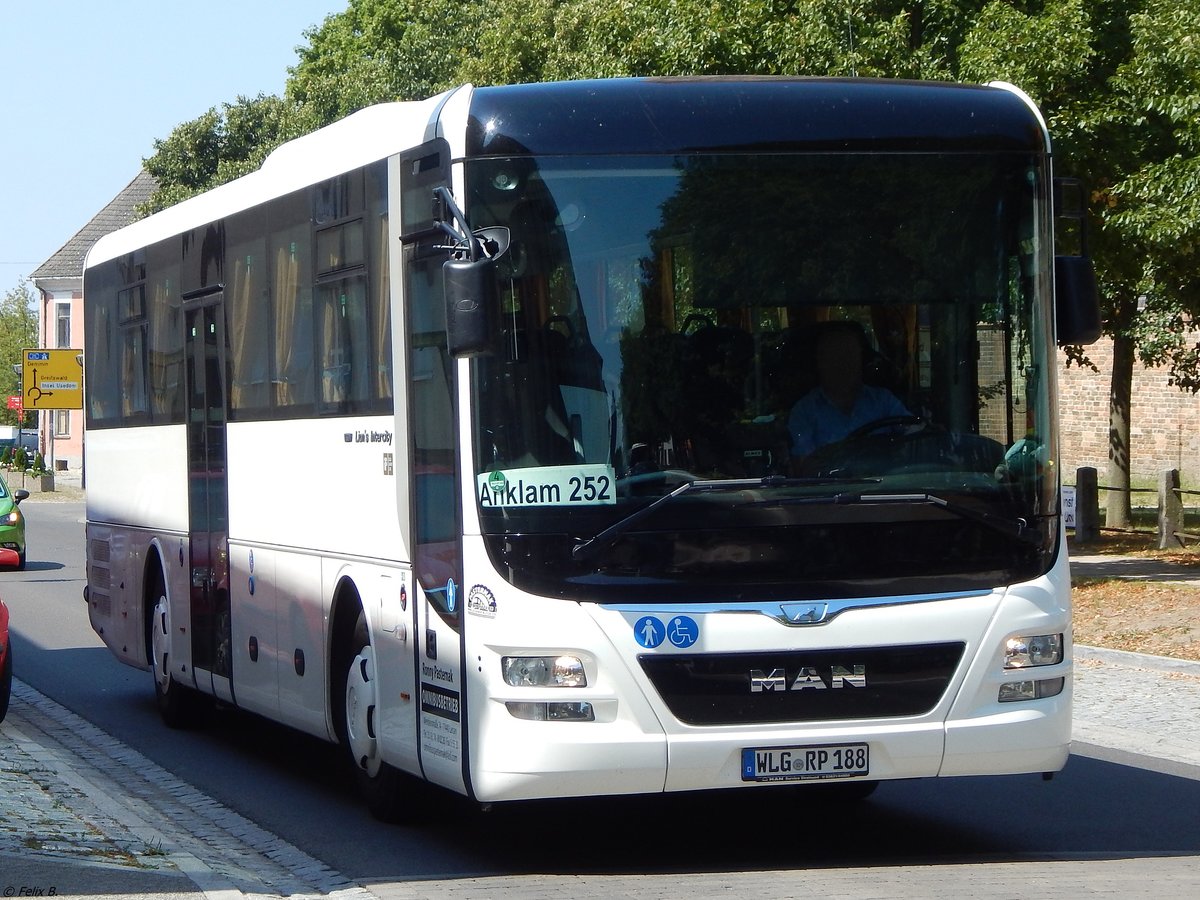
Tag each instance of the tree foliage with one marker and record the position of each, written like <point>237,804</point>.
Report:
<point>221,145</point>
<point>382,50</point>
<point>18,330</point>
<point>1117,80</point>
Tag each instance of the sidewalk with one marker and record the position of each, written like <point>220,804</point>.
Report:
<point>68,487</point>
<point>61,833</point>
<point>85,816</point>
<point>1133,568</point>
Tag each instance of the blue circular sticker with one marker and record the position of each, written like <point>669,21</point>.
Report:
<point>682,631</point>
<point>649,632</point>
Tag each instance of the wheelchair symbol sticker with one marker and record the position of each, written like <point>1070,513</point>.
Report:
<point>649,632</point>
<point>683,631</point>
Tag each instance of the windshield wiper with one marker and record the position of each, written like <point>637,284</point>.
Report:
<point>1016,528</point>
<point>588,548</point>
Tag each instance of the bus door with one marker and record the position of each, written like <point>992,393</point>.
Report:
<point>208,504</point>
<point>428,416</point>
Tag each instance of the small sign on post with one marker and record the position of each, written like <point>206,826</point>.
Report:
<point>1068,505</point>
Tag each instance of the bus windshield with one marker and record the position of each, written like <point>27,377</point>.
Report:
<point>814,372</point>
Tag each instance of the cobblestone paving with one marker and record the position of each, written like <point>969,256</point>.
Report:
<point>57,818</point>
<point>54,801</point>
<point>1147,705</point>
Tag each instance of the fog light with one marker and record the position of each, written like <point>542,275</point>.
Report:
<point>543,671</point>
<point>551,712</point>
<point>1033,650</point>
<point>1017,691</point>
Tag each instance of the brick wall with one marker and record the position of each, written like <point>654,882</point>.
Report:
<point>993,411</point>
<point>1164,424</point>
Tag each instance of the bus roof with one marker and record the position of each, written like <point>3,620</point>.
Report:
<point>632,115</point>
<point>363,137</point>
<point>720,114</point>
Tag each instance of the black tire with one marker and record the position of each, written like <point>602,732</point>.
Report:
<point>6,682</point>
<point>386,790</point>
<point>176,703</point>
<point>21,558</point>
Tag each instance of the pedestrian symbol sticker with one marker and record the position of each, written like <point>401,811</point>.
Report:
<point>683,631</point>
<point>649,632</point>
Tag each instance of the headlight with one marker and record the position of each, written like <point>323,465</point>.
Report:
<point>13,518</point>
<point>1027,652</point>
<point>1024,651</point>
<point>543,671</point>
<point>551,712</point>
<point>1030,690</point>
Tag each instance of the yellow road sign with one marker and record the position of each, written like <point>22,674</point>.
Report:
<point>52,379</point>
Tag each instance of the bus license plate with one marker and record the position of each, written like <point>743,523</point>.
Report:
<point>802,763</point>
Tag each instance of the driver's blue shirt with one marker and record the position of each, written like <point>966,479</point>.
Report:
<point>815,421</point>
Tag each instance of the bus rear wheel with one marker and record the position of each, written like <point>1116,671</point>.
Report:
<point>383,787</point>
<point>176,703</point>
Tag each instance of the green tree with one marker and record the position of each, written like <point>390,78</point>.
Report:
<point>383,50</point>
<point>220,145</point>
<point>1117,81</point>
<point>1151,212</point>
<point>18,330</point>
<point>552,39</point>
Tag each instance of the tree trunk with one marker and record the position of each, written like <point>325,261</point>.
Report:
<point>1119,504</point>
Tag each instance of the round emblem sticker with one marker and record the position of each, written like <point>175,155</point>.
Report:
<point>649,632</point>
<point>682,631</point>
<point>481,602</point>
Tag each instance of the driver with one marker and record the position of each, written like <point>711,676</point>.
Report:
<point>840,403</point>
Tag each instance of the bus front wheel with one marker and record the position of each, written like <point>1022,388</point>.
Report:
<point>382,786</point>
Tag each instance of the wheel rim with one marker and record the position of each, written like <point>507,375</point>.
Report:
<point>160,637</point>
<point>360,711</point>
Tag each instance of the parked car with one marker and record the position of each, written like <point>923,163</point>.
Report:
<point>5,662</point>
<point>12,524</point>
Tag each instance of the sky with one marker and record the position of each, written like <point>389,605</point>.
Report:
<point>86,87</point>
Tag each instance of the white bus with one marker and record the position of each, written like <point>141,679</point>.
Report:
<point>466,433</point>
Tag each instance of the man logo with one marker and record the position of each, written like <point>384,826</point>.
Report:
<point>803,613</point>
<point>808,678</point>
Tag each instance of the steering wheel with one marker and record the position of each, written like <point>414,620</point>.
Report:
<point>695,321</point>
<point>884,422</point>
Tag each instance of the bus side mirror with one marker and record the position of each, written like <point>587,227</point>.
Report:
<point>1076,299</point>
<point>472,305</point>
<point>469,278</point>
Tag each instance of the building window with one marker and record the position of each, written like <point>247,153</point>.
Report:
<point>64,324</point>
<point>62,423</point>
